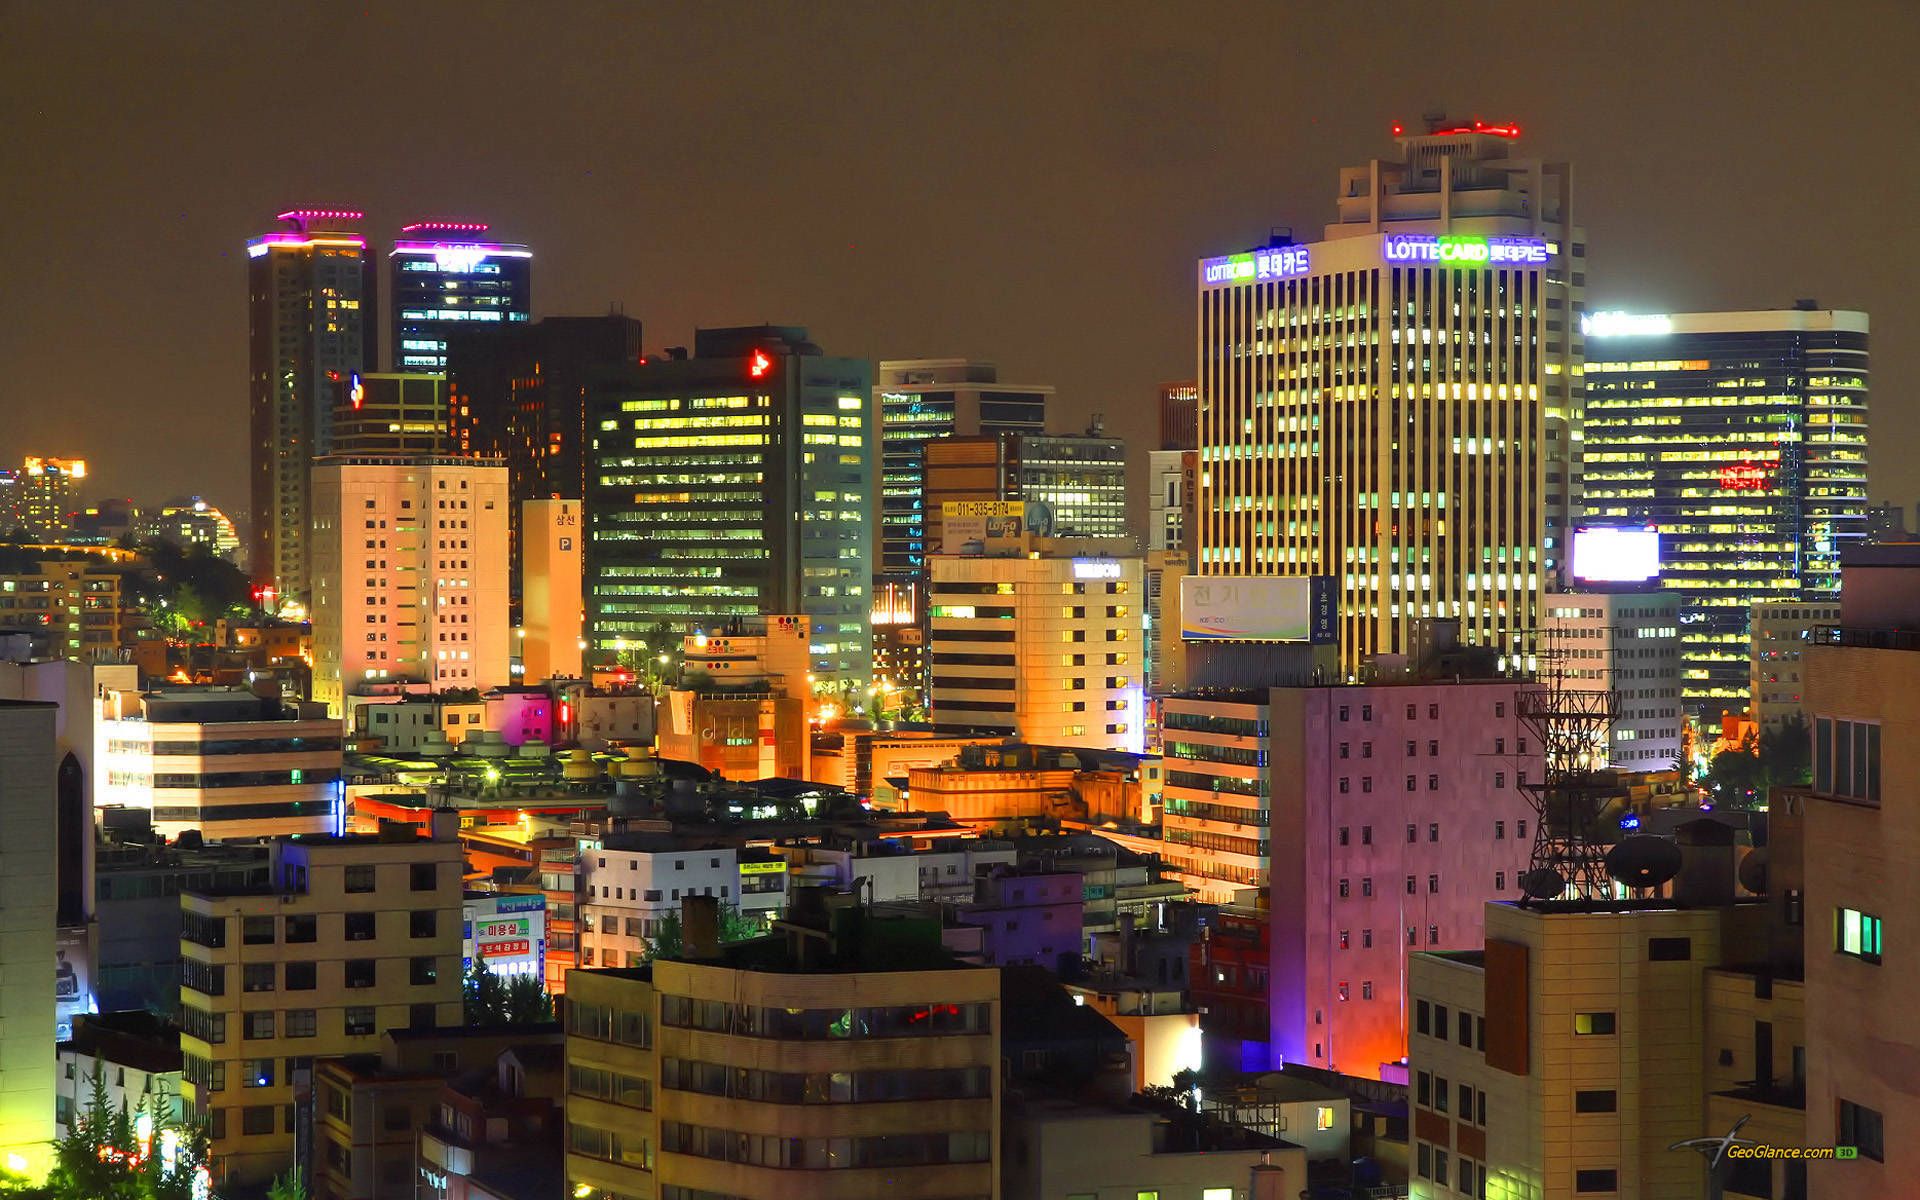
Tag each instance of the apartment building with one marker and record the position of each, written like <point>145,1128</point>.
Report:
<point>1778,633</point>
<point>353,936</point>
<point>846,1057</point>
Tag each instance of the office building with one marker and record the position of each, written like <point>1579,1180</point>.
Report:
<point>737,482</point>
<point>222,762</point>
<point>42,498</point>
<point>409,562</point>
<point>1627,643</point>
<point>744,700</point>
<point>900,639</point>
<point>390,414</point>
<point>28,902</point>
<point>1180,416</point>
<point>1395,405</point>
<point>77,606</point>
<point>190,521</point>
<point>136,913</point>
<point>920,400</point>
<point>1381,818</point>
<point>1040,640</point>
<point>1742,437</point>
<point>312,319</point>
<point>520,394</point>
<point>1070,485</point>
<point>552,567</point>
<point>443,276</point>
<point>354,936</point>
<point>1779,631</point>
<point>1860,817</point>
<point>740,1069</point>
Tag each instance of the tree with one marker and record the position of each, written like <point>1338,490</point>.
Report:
<point>667,940</point>
<point>287,1187</point>
<point>491,1000</point>
<point>1742,776</point>
<point>109,1154</point>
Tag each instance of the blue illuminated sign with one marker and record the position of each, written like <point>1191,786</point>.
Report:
<point>1629,822</point>
<point>1277,262</point>
<point>1474,251</point>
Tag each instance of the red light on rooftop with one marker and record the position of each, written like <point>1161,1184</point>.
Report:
<point>1398,129</point>
<point>759,365</point>
<point>1508,130</point>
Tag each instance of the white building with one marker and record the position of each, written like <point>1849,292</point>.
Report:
<point>223,762</point>
<point>889,870</point>
<point>1041,639</point>
<point>1778,635</point>
<point>27,886</point>
<point>1167,474</point>
<point>1629,642</point>
<point>409,573</point>
<point>628,887</point>
<point>137,1061</point>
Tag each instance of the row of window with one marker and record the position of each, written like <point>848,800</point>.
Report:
<point>206,929</point>
<point>816,1153</point>
<point>825,1087</point>
<point>211,978</point>
<point>822,1024</point>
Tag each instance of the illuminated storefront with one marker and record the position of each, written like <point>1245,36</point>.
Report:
<point>1742,437</point>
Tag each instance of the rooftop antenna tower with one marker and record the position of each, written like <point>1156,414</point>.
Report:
<point>1574,726</point>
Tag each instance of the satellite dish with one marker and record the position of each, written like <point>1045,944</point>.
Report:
<point>1753,871</point>
<point>1643,861</point>
<point>1543,883</point>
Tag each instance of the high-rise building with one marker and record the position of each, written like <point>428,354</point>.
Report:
<point>1861,815</point>
<point>1382,818</point>
<point>1073,485</point>
<point>77,605</point>
<point>553,534</point>
<point>1395,405</point>
<point>312,320</point>
<point>41,498</point>
<point>390,414</point>
<point>742,1069</point>
<point>1627,643</point>
<point>1180,416</point>
<point>409,554</point>
<point>920,400</point>
<point>736,482</point>
<point>28,895</point>
<point>191,521</point>
<point>1742,436</point>
<point>353,936</point>
<point>1779,633</point>
<point>1041,640</point>
<point>1887,523</point>
<point>444,277</point>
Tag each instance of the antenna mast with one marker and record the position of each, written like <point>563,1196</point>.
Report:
<point>1575,727</point>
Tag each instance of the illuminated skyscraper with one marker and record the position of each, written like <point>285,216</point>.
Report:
<point>1395,405</point>
<point>737,482</point>
<point>41,497</point>
<point>442,278</point>
<point>311,294</point>
<point>924,399</point>
<point>1743,437</point>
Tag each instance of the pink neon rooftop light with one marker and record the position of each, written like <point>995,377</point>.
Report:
<point>320,214</point>
<point>445,227</point>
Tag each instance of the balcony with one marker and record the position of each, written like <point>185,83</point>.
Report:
<point>1866,639</point>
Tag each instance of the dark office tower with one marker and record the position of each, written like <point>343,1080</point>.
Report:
<point>1741,436</point>
<point>924,399</point>
<point>737,482</point>
<point>443,277</point>
<point>311,291</point>
<point>1180,416</point>
<point>1072,485</point>
<point>519,394</point>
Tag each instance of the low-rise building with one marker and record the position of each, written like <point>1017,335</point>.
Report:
<point>353,936</point>
<point>1057,1146</point>
<point>1028,918</point>
<point>844,1056</point>
<point>1009,781</point>
<point>220,762</point>
<point>135,1056</point>
<point>80,603</point>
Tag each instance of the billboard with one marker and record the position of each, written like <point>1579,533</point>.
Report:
<point>1610,554</point>
<point>963,521</point>
<point>1257,608</point>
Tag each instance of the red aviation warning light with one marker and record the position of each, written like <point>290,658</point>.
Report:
<point>759,365</point>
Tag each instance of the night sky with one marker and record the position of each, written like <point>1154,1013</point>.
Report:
<point>1026,183</point>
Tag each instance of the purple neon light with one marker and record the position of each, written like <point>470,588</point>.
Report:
<point>320,214</point>
<point>322,237</point>
<point>445,227</point>
<point>498,249</point>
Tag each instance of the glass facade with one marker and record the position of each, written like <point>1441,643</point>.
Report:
<point>735,485</point>
<point>1742,437</point>
<point>443,285</point>
<point>910,417</point>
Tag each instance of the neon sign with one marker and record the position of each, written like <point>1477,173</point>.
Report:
<point>759,365</point>
<point>1747,476</point>
<point>1277,262</point>
<point>1085,568</point>
<point>1625,324</point>
<point>1452,248</point>
<point>458,260</point>
<point>357,392</point>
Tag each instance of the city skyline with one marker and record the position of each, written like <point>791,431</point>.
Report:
<point>893,267</point>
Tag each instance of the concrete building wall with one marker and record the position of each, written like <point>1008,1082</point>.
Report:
<point>1779,631</point>
<point>553,614</point>
<point>27,908</point>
